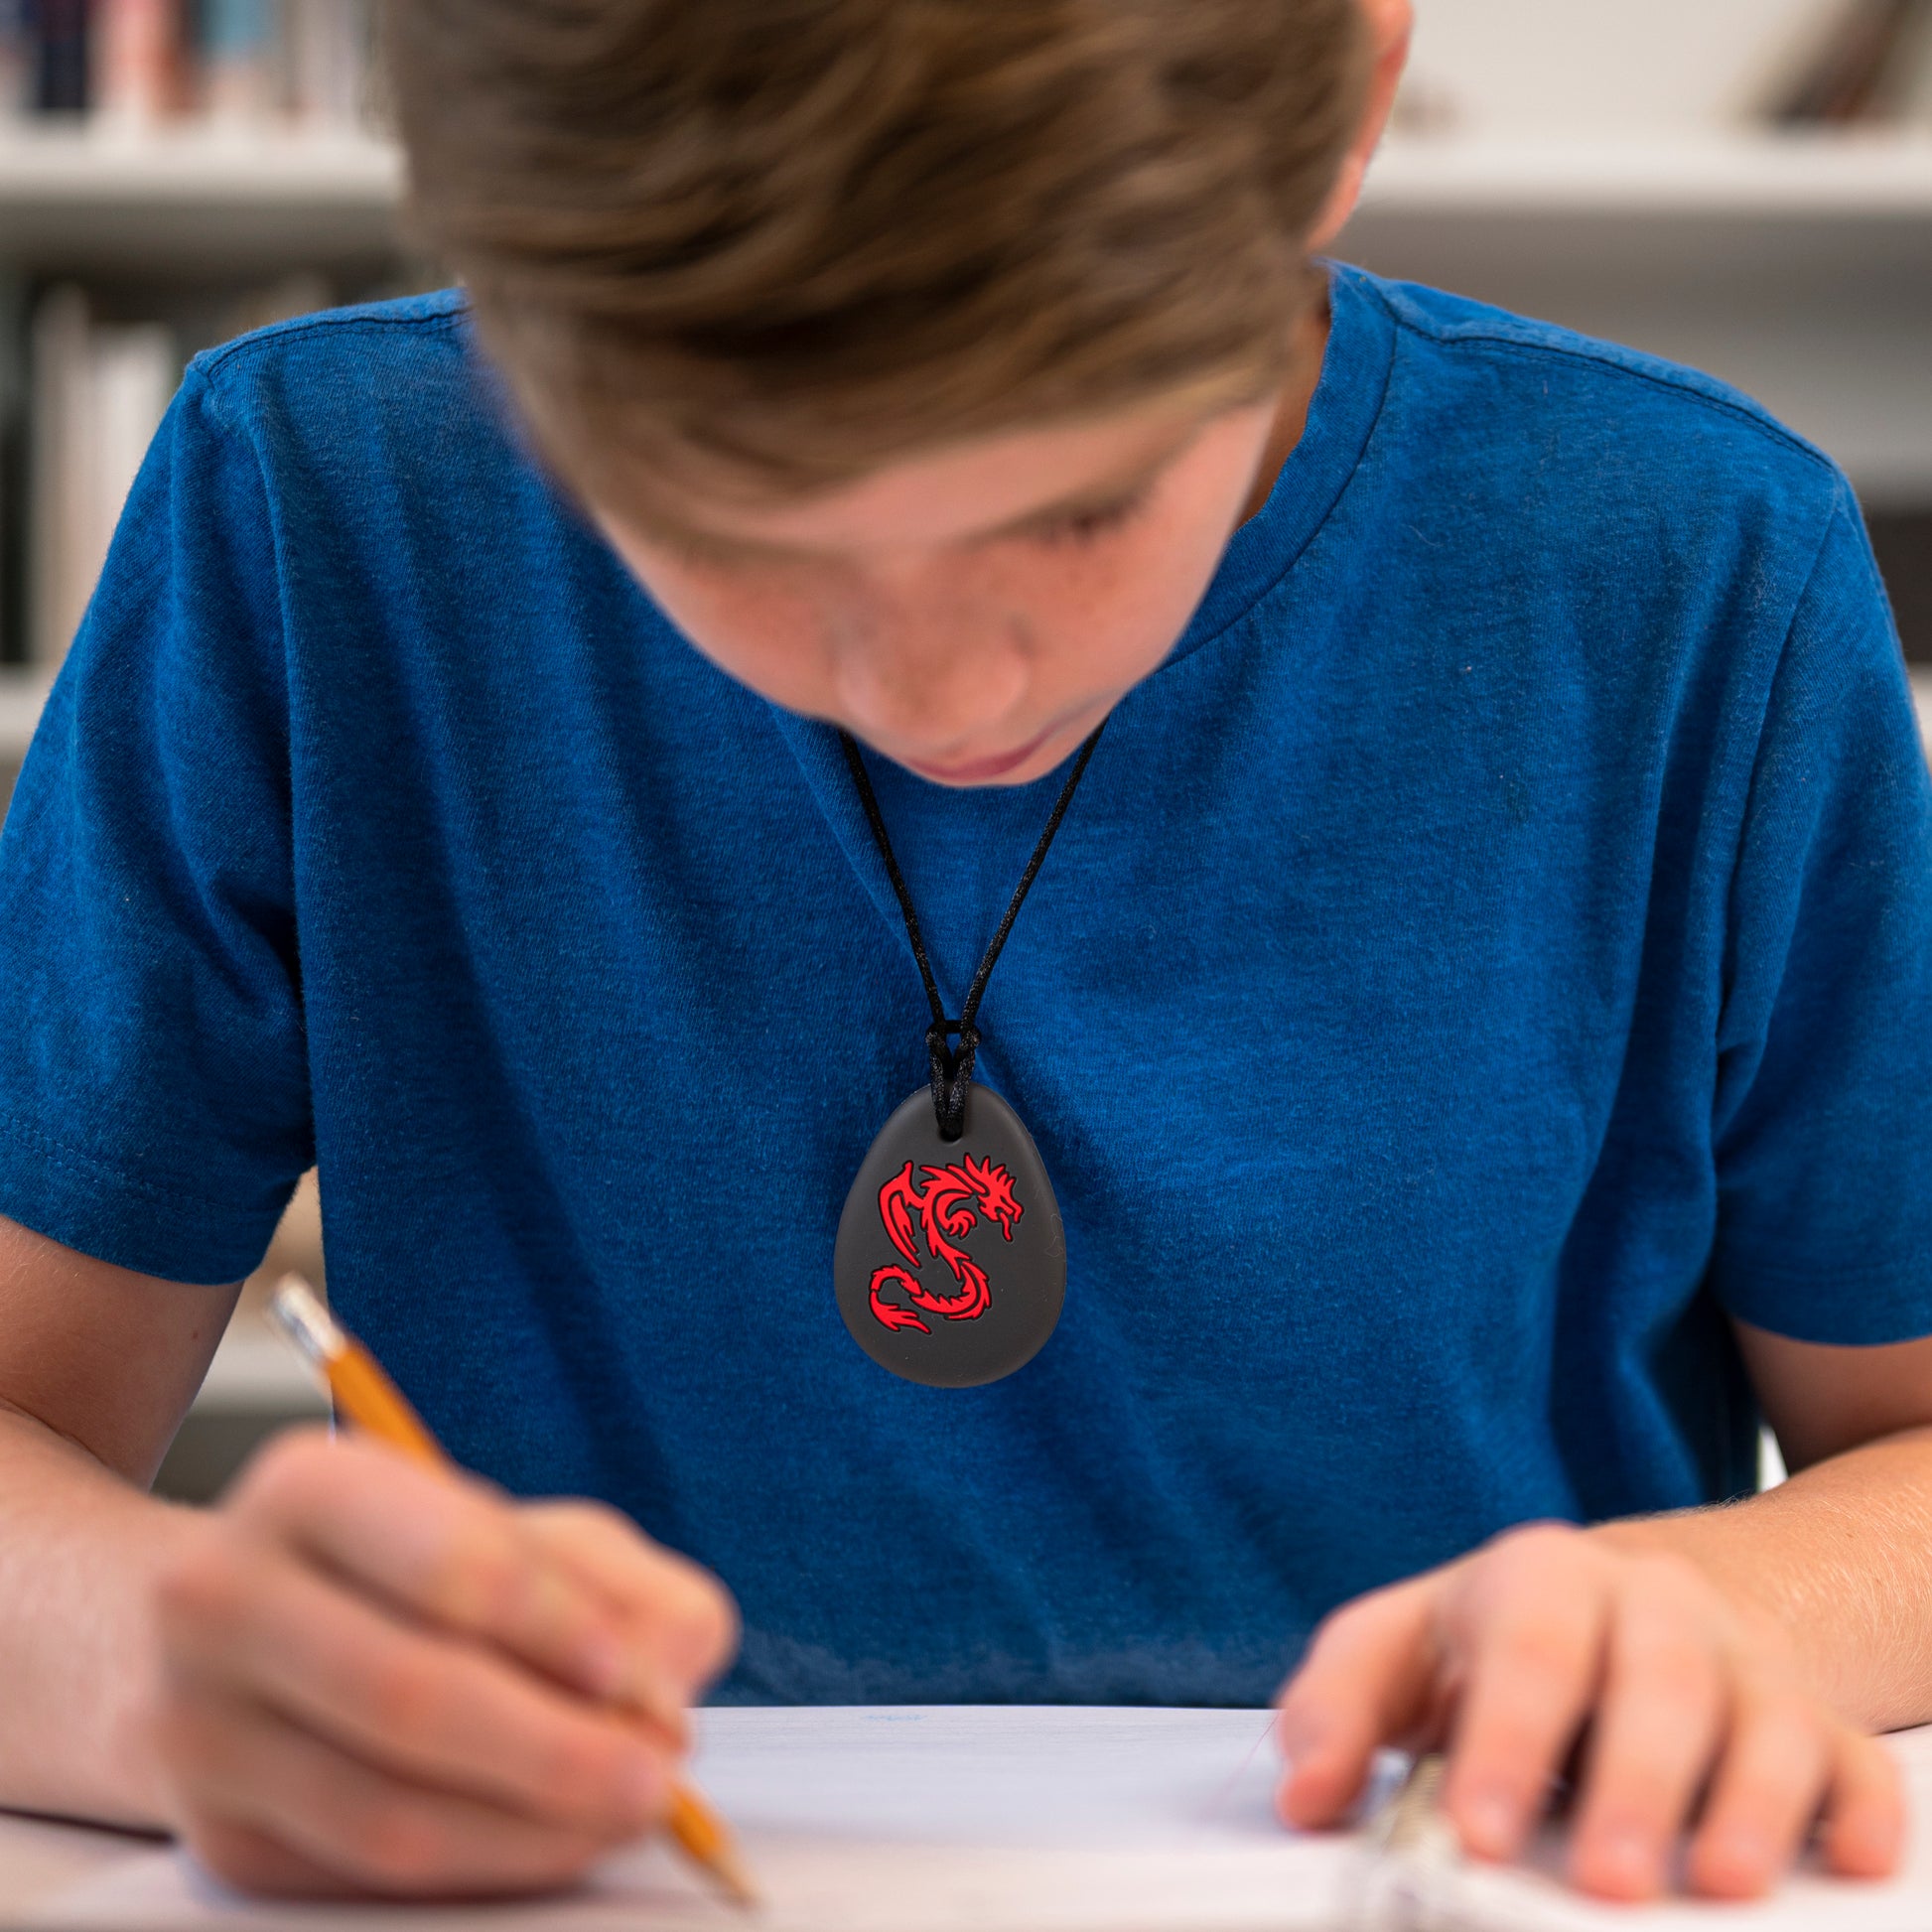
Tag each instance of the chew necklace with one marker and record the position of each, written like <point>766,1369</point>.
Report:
<point>952,1165</point>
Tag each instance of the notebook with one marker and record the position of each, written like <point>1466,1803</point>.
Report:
<point>1011,1819</point>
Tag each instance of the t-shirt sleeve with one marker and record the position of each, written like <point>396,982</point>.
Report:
<point>154,1099</point>
<point>1823,1119</point>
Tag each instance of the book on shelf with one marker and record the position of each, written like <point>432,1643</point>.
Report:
<point>17,75</point>
<point>60,49</point>
<point>238,59</point>
<point>98,391</point>
<point>89,393</point>
<point>137,60</point>
<point>325,55</point>
<point>1870,66</point>
<point>141,62</point>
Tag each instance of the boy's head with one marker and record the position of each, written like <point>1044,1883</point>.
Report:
<point>919,354</point>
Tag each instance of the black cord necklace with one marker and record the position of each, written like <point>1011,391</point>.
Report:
<point>949,1161</point>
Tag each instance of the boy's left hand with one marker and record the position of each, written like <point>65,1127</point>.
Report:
<point>1694,1711</point>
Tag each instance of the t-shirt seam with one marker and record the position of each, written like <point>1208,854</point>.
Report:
<point>90,1166</point>
<point>212,362</point>
<point>1580,351</point>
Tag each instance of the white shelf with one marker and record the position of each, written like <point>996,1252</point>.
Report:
<point>81,167</point>
<point>197,198</point>
<point>237,168</point>
<point>1726,176</point>
<point>213,195</point>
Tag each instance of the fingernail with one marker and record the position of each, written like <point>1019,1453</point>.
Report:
<point>1743,1855</point>
<point>1489,1824</point>
<point>1628,1861</point>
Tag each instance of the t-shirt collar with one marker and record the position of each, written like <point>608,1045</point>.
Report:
<point>1342,414</point>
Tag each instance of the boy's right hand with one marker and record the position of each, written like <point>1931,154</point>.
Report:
<point>379,1678</point>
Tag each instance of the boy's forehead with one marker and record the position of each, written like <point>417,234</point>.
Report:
<point>959,494</point>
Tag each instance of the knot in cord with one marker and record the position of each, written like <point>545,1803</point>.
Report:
<point>952,1074</point>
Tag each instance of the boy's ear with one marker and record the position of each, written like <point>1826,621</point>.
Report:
<point>1390,24</point>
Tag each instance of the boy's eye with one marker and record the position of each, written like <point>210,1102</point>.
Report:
<point>1083,526</point>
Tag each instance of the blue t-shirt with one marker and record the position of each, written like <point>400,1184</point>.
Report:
<point>1493,950</point>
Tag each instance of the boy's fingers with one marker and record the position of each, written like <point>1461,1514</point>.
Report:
<point>1365,1681</point>
<point>425,1707</point>
<point>680,1617</point>
<point>1656,1730</point>
<point>439,1545</point>
<point>238,1764</point>
<point>252,1861</point>
<point>1764,1796</point>
<point>1528,1619</point>
<point>1865,1812</point>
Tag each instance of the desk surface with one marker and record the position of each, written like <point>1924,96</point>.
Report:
<point>40,1860</point>
<point>963,1819</point>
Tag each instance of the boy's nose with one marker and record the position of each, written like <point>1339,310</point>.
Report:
<point>929,682</point>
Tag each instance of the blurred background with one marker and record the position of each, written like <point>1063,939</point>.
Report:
<point>1742,185</point>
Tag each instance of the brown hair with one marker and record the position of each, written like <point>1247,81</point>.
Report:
<point>790,240</point>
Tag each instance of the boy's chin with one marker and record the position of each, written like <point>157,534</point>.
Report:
<point>1021,765</point>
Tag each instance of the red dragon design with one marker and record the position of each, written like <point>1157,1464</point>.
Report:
<point>945,1207</point>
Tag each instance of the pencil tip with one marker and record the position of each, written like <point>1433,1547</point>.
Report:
<point>737,1882</point>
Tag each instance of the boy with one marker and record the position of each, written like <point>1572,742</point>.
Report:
<point>1475,1017</point>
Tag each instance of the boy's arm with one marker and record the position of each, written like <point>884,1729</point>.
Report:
<point>1743,1650</point>
<point>355,1674</point>
<point>98,1367</point>
<point>1720,1667</point>
<point>1840,1556</point>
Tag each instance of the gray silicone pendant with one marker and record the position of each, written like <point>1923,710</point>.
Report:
<point>950,1267</point>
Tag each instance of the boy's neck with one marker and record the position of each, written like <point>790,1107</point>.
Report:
<point>1309,348</point>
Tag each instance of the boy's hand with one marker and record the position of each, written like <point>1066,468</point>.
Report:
<point>376,1677</point>
<point>1694,1710</point>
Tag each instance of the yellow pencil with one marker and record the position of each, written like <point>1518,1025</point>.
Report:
<point>367,1397</point>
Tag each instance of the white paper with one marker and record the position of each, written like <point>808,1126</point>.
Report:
<point>996,1819</point>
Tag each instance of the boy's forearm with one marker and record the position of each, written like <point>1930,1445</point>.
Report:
<point>1840,1559</point>
<point>80,1549</point>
